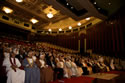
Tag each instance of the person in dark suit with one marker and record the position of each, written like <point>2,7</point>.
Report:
<point>20,55</point>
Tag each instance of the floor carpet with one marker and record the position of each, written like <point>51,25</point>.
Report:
<point>105,77</point>
<point>81,79</point>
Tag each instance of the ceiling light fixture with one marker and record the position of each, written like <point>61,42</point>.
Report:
<point>33,20</point>
<point>70,27</point>
<point>60,29</point>
<point>71,7</point>
<point>67,3</point>
<point>88,18</point>
<point>94,2</point>
<point>7,10</point>
<point>19,1</point>
<point>79,24</point>
<point>50,15</point>
<point>50,30</point>
<point>99,8</point>
<point>109,3</point>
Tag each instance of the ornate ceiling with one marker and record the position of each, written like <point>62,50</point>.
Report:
<point>64,14</point>
<point>33,9</point>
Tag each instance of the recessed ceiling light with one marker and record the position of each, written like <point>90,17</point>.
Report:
<point>67,3</point>
<point>71,7</point>
<point>79,24</point>
<point>7,10</point>
<point>19,1</point>
<point>99,8</point>
<point>94,2</point>
<point>88,18</point>
<point>60,29</point>
<point>70,27</point>
<point>50,15</point>
<point>109,3</point>
<point>50,30</point>
<point>33,20</point>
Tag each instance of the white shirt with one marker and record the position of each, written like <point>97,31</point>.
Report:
<point>42,62</point>
<point>30,60</point>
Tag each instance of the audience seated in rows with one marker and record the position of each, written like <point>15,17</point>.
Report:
<point>41,64</point>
